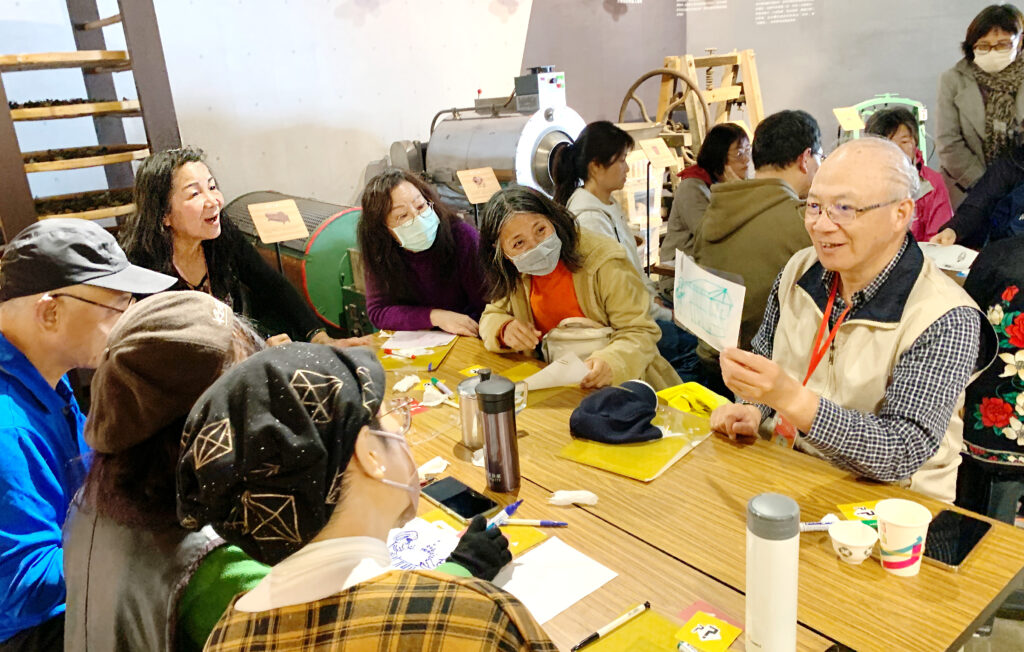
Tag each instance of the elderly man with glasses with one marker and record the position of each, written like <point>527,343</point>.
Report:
<point>63,284</point>
<point>866,347</point>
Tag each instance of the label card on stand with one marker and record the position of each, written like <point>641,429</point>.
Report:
<point>479,184</point>
<point>277,221</point>
<point>659,154</point>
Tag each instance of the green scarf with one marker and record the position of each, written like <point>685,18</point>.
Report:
<point>1000,93</point>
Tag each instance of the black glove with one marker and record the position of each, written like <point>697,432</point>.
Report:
<point>481,551</point>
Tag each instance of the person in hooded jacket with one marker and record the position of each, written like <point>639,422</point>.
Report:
<point>753,226</point>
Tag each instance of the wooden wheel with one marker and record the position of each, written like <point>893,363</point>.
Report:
<point>678,99</point>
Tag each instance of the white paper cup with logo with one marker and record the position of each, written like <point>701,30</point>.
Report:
<point>902,530</point>
<point>853,541</point>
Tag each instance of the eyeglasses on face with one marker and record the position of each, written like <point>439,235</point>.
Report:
<point>405,219</point>
<point>398,409</point>
<point>841,213</point>
<point>131,301</point>
<point>1001,46</point>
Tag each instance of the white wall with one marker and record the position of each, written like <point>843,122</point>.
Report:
<point>300,95</point>
<point>291,95</point>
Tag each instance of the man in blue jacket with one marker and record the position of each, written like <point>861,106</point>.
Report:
<point>63,284</point>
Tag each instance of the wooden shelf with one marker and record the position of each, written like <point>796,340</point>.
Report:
<point>97,24</point>
<point>117,154</point>
<point>95,59</point>
<point>126,108</point>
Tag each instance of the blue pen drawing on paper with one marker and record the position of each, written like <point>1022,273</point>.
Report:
<point>709,303</point>
<point>420,545</point>
<point>708,306</point>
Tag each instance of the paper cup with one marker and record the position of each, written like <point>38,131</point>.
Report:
<point>902,529</point>
<point>853,541</point>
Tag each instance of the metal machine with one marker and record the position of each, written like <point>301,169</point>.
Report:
<point>890,100</point>
<point>326,267</point>
<point>513,135</point>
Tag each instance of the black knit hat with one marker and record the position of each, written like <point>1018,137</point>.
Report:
<point>617,415</point>
<point>264,448</point>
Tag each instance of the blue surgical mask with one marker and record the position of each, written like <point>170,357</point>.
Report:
<point>542,259</point>
<point>418,233</point>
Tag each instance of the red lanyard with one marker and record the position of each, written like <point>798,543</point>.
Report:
<point>818,352</point>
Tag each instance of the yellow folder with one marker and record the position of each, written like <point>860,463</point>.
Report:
<point>648,632</point>
<point>428,362</point>
<point>647,460</point>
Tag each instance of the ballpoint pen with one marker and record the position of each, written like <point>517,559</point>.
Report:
<point>502,517</point>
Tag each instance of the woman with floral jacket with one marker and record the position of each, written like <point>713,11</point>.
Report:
<point>994,419</point>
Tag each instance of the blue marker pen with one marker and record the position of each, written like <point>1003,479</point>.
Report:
<point>501,517</point>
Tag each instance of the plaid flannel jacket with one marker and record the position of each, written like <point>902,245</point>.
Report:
<point>399,611</point>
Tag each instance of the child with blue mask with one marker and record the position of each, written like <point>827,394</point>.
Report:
<point>422,269</point>
<point>542,270</point>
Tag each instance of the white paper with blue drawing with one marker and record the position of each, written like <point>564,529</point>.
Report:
<point>708,306</point>
<point>421,545</point>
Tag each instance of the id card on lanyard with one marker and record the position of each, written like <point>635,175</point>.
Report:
<point>784,433</point>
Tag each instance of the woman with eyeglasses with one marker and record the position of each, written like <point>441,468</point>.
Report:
<point>177,229</point>
<point>980,104</point>
<point>542,269</point>
<point>420,257</point>
<point>315,493</point>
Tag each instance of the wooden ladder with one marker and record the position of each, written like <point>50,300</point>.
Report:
<point>144,57</point>
<point>738,87</point>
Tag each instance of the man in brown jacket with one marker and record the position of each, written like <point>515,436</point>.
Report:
<point>753,226</point>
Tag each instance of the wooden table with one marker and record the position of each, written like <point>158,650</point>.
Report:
<point>695,514</point>
<point>644,572</point>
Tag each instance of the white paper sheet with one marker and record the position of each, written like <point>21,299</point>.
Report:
<point>955,258</point>
<point>417,339</point>
<point>566,371</point>
<point>708,306</point>
<point>552,577</point>
<point>421,545</point>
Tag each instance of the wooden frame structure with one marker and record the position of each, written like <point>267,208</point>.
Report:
<point>144,57</point>
<point>738,87</point>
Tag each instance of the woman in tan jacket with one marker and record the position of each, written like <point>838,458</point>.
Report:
<point>541,270</point>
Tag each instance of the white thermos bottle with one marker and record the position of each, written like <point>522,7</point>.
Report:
<point>773,558</point>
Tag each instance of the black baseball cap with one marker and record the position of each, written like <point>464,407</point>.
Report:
<point>59,252</point>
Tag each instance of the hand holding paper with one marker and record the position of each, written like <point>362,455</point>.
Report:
<point>760,380</point>
<point>708,306</point>
<point>566,371</point>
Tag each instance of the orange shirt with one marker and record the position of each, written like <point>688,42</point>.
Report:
<point>553,298</point>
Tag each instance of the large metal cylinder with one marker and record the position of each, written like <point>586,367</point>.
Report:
<point>326,267</point>
<point>516,146</point>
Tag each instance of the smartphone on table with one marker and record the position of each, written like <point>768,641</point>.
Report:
<point>951,538</point>
<point>459,500</point>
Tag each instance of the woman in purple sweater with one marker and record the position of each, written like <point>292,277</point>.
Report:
<point>422,267</point>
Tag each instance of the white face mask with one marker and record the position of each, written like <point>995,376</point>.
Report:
<point>413,485</point>
<point>994,61</point>
<point>418,233</point>
<point>542,259</point>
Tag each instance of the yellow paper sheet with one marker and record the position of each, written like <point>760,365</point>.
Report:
<point>520,537</point>
<point>707,633</point>
<point>647,460</point>
<point>648,632</point>
<point>419,363</point>
<point>863,511</point>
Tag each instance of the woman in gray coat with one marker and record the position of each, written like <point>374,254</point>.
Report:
<point>980,106</point>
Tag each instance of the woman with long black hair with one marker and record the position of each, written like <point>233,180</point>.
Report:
<point>422,267</point>
<point>177,229</point>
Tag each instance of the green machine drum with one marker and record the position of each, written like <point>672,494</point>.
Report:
<point>326,267</point>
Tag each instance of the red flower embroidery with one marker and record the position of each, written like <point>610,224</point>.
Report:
<point>995,412</point>
<point>1010,292</point>
<point>1015,331</point>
